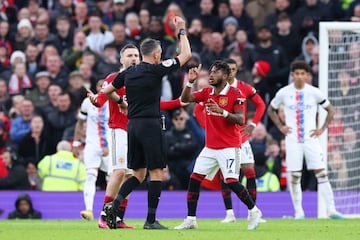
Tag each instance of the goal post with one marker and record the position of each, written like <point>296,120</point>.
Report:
<point>339,80</point>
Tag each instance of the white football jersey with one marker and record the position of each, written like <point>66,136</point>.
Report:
<point>97,130</point>
<point>300,106</point>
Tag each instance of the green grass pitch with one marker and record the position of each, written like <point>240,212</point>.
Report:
<point>273,229</point>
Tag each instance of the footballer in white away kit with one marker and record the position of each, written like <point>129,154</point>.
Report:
<point>96,149</point>
<point>301,102</point>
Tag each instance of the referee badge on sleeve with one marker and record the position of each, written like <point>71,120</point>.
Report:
<point>169,62</point>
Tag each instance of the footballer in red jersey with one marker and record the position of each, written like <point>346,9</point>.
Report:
<point>224,114</point>
<point>247,156</point>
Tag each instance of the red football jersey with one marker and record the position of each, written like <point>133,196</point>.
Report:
<point>249,93</point>
<point>117,119</point>
<point>221,133</point>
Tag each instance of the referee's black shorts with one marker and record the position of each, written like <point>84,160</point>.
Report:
<point>145,144</point>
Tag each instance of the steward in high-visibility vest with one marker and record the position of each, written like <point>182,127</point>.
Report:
<point>62,171</point>
<point>266,183</point>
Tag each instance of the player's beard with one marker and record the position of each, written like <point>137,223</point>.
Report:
<point>217,84</point>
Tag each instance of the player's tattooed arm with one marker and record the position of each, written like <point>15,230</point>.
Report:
<point>236,117</point>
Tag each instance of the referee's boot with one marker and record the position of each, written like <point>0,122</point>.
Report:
<point>154,225</point>
<point>110,215</point>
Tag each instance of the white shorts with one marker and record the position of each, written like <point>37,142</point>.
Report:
<point>118,150</point>
<point>247,155</point>
<point>310,149</point>
<point>93,158</point>
<point>210,160</point>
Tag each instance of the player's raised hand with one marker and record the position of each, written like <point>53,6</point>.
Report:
<point>316,132</point>
<point>91,96</point>
<point>194,73</point>
<point>179,23</point>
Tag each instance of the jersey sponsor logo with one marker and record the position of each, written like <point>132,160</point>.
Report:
<point>63,165</point>
<point>223,101</point>
<point>240,101</point>
<point>301,107</point>
<point>169,62</point>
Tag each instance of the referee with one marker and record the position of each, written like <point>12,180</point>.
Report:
<point>145,139</point>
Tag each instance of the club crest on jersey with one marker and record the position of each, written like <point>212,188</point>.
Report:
<point>223,101</point>
<point>121,160</point>
<point>169,62</point>
<point>240,101</point>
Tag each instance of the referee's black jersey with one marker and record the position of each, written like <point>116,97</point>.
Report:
<point>143,87</point>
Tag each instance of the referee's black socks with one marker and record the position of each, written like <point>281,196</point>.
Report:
<point>153,199</point>
<point>125,190</point>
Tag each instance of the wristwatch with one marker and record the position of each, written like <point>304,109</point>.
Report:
<point>181,32</point>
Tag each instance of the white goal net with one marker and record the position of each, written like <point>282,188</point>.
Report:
<point>340,79</point>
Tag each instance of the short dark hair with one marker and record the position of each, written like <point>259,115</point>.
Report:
<point>299,64</point>
<point>62,18</point>
<point>95,13</point>
<point>127,46</point>
<point>229,61</point>
<point>118,24</point>
<point>222,66</point>
<point>283,16</point>
<point>110,45</point>
<point>65,93</point>
<point>148,46</point>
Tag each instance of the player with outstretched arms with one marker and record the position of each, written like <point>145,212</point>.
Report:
<point>118,124</point>
<point>224,115</point>
<point>301,102</point>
